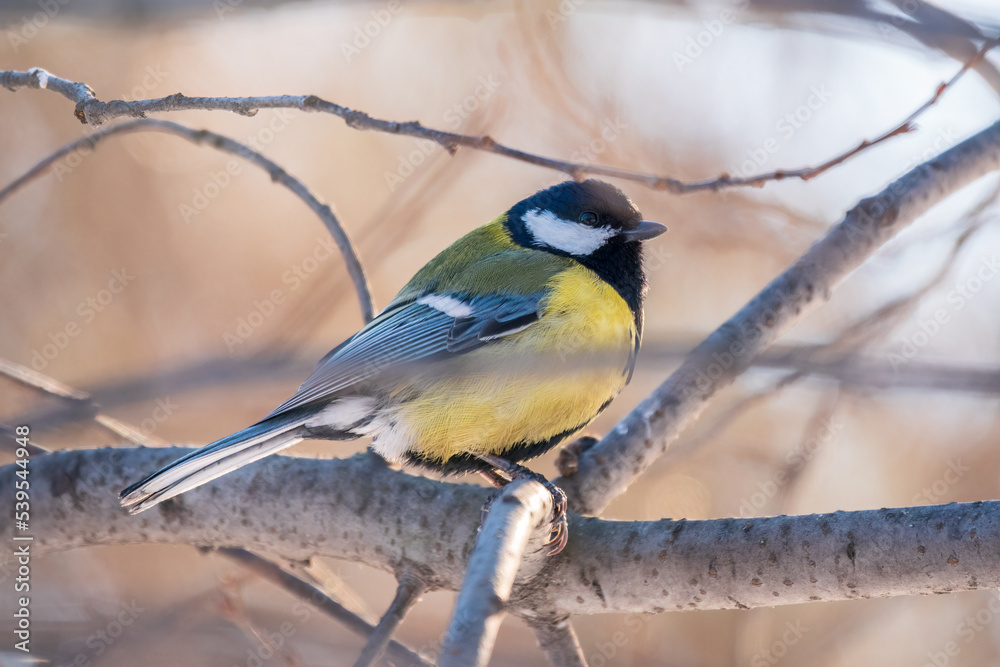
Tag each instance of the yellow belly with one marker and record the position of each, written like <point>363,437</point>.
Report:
<point>554,377</point>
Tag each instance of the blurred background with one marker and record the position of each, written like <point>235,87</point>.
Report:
<point>201,294</point>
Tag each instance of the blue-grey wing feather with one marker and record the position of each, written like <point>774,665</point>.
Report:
<point>506,316</point>
<point>410,332</point>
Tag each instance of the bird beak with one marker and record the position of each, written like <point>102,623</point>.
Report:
<point>645,231</point>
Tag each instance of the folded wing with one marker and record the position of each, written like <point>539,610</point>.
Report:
<point>434,325</point>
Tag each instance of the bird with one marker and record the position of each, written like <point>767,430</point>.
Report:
<point>509,341</point>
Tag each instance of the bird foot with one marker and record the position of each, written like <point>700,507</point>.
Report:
<point>506,472</point>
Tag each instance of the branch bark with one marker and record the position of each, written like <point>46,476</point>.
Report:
<point>607,469</point>
<point>359,509</point>
<point>500,549</point>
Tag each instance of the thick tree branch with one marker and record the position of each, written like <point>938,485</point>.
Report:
<point>519,509</point>
<point>278,174</point>
<point>606,470</point>
<point>359,509</point>
<point>95,112</point>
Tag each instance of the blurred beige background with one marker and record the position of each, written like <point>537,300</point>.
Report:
<point>158,254</point>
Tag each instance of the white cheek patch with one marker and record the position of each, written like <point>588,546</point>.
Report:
<point>448,305</point>
<point>577,239</point>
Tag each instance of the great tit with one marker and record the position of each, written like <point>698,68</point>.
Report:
<point>515,337</point>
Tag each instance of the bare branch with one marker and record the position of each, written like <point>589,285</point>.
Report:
<point>608,566</point>
<point>314,596</point>
<point>408,593</point>
<point>36,77</point>
<point>40,382</point>
<point>841,352</point>
<point>208,372</point>
<point>52,387</point>
<point>906,126</point>
<point>887,316</point>
<point>607,469</point>
<point>559,641</point>
<point>231,607</point>
<point>91,110</point>
<point>518,510</point>
<point>227,145</point>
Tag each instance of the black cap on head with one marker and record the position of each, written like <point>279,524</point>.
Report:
<point>578,219</point>
<point>571,199</point>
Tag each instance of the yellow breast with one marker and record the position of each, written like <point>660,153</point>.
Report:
<point>552,378</point>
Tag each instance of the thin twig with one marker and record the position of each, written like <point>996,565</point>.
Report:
<point>225,144</point>
<point>32,378</point>
<point>323,577</point>
<point>232,608</point>
<point>408,592</point>
<point>816,427</point>
<point>730,414</point>
<point>40,382</point>
<point>200,374</point>
<point>52,387</point>
<point>314,596</point>
<point>906,126</point>
<point>91,110</point>
<point>127,432</point>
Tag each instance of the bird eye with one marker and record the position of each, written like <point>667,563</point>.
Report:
<point>588,218</point>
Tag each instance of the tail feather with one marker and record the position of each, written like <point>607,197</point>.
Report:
<point>211,461</point>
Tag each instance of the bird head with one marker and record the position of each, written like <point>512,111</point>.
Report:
<point>579,219</point>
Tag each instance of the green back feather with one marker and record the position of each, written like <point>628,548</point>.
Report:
<point>479,262</point>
